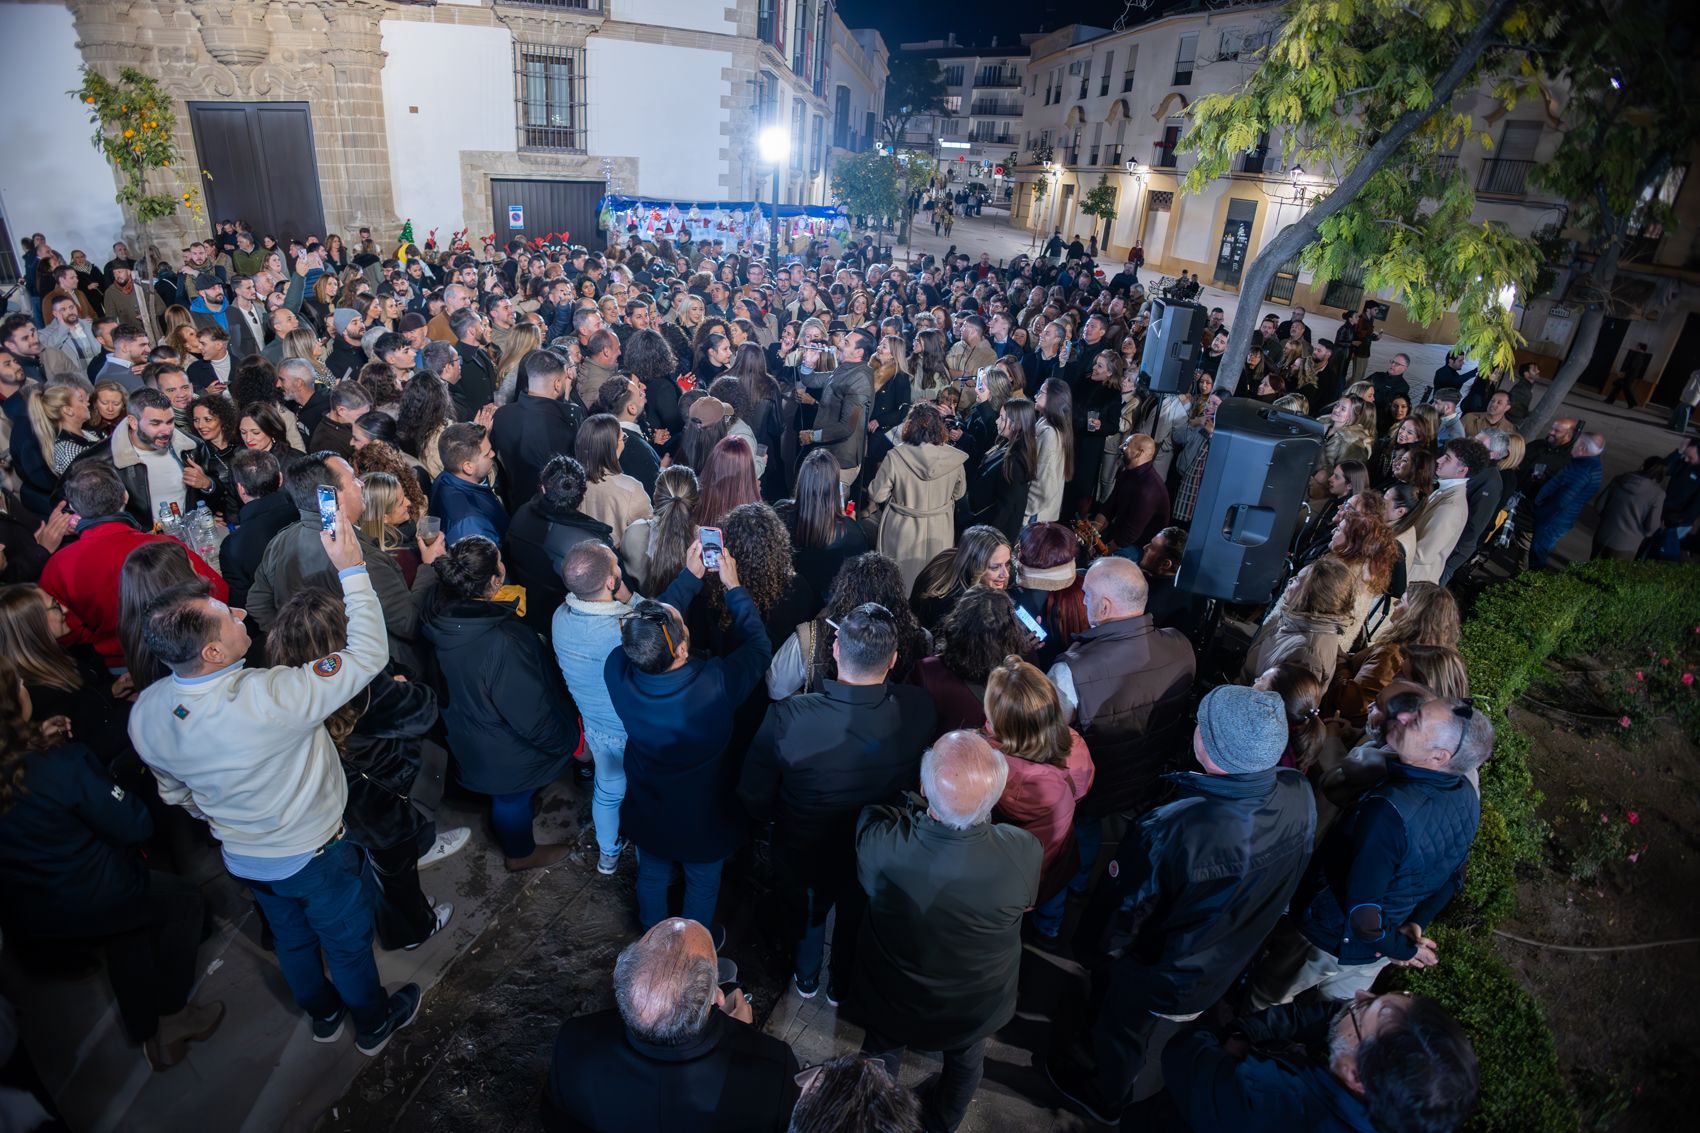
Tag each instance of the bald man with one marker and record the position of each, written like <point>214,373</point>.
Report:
<point>1138,506</point>
<point>1122,682</point>
<point>676,1052</point>
<point>940,945</point>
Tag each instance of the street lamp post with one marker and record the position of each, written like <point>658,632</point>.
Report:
<point>775,146</point>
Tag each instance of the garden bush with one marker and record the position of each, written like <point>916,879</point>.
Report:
<point>1522,1088</point>
<point>1514,628</point>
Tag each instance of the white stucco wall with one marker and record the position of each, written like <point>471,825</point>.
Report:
<point>427,66</point>
<point>52,180</point>
<point>696,15</point>
<point>636,89</point>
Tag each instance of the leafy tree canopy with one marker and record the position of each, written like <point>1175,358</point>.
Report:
<point>914,88</point>
<point>1368,94</point>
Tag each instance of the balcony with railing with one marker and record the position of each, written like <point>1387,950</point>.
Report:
<point>1442,165</point>
<point>991,108</point>
<point>997,77</point>
<point>1504,177</point>
<point>1164,156</point>
<point>570,5</point>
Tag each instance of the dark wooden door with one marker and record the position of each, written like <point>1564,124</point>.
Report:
<point>546,208</point>
<point>1605,353</point>
<point>263,171</point>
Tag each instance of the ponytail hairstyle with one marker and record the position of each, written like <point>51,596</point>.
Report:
<point>1302,693</point>
<point>673,526</point>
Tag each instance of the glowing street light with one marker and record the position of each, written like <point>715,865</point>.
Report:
<point>774,144</point>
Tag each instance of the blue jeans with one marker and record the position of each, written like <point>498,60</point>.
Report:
<point>1670,542</point>
<point>1048,917</point>
<point>1540,547</point>
<point>655,874</point>
<point>609,752</point>
<point>510,816</point>
<point>327,908</point>
<point>1679,416</point>
<point>1088,839</point>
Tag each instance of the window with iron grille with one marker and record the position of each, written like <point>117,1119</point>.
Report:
<point>1184,58</point>
<point>953,76</point>
<point>799,37</point>
<point>551,101</point>
<point>797,133</point>
<point>1104,83</point>
<point>1127,75</point>
<point>1158,201</point>
<point>815,144</point>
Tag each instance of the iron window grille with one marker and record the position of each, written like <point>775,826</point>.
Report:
<point>551,98</point>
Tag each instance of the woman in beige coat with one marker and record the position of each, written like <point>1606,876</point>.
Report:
<point>915,492</point>
<point>610,495</point>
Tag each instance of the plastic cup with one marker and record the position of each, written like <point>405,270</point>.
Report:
<point>429,528</point>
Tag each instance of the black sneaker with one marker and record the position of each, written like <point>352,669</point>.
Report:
<point>831,994</point>
<point>404,1008</point>
<point>328,1029</point>
<point>1076,1086</point>
<point>808,989</point>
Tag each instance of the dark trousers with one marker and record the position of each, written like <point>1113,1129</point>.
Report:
<point>811,900</point>
<point>152,963</point>
<point>1127,1042</point>
<point>1626,388</point>
<point>403,916</point>
<point>946,1103</point>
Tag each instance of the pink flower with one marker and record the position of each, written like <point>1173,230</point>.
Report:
<point>1623,721</point>
<point>1635,857</point>
<point>1664,660</point>
<point>1639,675</point>
<point>1633,816</point>
<point>1604,818</point>
<point>1688,678</point>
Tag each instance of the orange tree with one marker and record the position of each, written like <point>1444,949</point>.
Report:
<point>134,126</point>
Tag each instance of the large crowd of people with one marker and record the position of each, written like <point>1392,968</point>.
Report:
<point>875,564</point>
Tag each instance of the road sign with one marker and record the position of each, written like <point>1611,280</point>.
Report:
<point>516,216</point>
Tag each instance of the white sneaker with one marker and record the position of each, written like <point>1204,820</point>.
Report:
<point>448,843</point>
<point>444,911</point>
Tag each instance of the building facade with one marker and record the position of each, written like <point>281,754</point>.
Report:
<point>981,129</point>
<point>500,117</point>
<point>860,64</point>
<point>1112,106</point>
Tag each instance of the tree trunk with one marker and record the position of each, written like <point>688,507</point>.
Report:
<point>1293,239</point>
<point>1581,352</point>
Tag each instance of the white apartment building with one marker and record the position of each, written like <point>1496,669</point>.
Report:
<point>982,128</point>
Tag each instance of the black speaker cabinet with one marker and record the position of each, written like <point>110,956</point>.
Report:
<point>1248,504</point>
<point>1171,345</point>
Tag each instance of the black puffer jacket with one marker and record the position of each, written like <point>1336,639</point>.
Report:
<point>381,759</point>
<point>1200,881</point>
<point>536,544</point>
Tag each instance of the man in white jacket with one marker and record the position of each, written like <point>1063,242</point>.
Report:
<point>247,750</point>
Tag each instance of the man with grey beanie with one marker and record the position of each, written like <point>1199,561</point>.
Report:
<point>1193,891</point>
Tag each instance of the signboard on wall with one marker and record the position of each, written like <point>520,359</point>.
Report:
<point>516,217</point>
<point>1236,240</point>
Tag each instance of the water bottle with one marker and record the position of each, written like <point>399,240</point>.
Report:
<point>203,533</point>
<point>169,523</point>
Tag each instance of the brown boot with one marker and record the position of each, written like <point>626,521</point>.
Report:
<point>163,1054</point>
<point>541,856</point>
<point>195,1023</point>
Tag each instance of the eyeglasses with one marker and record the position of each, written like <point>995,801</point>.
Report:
<point>1463,712</point>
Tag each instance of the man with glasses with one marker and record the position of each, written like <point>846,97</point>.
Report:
<point>1380,1062</point>
<point>1390,862</point>
<point>851,739</point>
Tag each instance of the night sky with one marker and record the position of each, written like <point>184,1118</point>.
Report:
<point>900,20</point>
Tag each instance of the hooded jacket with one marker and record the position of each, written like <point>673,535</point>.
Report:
<point>536,545</point>
<point>1314,641</point>
<point>510,729</point>
<point>916,490</point>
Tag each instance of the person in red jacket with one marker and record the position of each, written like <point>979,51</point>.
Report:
<point>84,575</point>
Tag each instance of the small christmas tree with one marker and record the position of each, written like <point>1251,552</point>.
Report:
<point>405,239</point>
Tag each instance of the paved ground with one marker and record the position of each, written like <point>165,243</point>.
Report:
<point>522,953</point>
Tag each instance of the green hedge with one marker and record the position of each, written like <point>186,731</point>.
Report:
<point>1515,626</point>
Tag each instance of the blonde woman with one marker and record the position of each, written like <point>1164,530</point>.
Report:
<point>177,316</point>
<point>58,415</point>
<point>387,508</point>
<point>302,343</point>
<point>522,340</point>
<point>1351,432</point>
<point>186,340</point>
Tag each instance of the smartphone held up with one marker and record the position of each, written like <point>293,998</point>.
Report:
<point>712,542</point>
<point>327,510</point>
